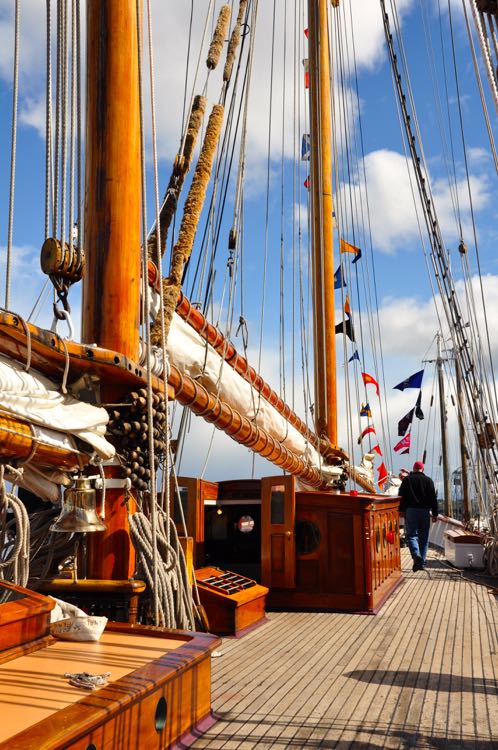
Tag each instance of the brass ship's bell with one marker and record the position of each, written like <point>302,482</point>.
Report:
<point>79,512</point>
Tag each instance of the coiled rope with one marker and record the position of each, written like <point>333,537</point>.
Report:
<point>169,575</point>
<point>14,536</point>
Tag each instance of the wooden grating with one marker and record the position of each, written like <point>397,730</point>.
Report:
<point>420,674</point>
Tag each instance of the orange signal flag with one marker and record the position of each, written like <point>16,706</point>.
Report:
<point>382,474</point>
<point>306,73</point>
<point>346,247</point>
<point>347,307</point>
<point>367,379</point>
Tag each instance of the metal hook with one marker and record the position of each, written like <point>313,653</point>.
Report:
<point>62,315</point>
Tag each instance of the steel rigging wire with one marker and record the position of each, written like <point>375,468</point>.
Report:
<point>476,392</point>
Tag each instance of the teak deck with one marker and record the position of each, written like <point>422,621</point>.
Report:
<point>420,674</point>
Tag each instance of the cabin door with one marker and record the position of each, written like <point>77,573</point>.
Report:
<point>278,538</point>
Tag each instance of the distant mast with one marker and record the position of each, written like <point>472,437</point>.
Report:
<point>322,220</point>
<point>447,501</point>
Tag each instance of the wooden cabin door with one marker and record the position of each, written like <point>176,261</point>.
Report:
<point>278,537</point>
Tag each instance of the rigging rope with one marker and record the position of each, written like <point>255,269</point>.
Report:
<point>15,94</point>
<point>481,30</point>
<point>48,123</point>
<point>14,546</point>
<point>476,395</point>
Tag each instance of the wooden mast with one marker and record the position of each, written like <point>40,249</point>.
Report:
<point>111,291</point>
<point>322,221</point>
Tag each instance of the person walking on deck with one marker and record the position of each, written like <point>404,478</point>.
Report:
<point>418,502</point>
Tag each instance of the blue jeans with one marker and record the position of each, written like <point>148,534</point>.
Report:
<point>417,525</point>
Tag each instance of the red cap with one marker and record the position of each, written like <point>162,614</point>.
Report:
<point>418,466</point>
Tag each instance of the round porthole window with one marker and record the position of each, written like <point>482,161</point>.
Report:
<point>91,747</point>
<point>308,537</point>
<point>245,524</point>
<point>161,711</point>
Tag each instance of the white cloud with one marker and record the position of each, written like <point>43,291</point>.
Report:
<point>33,113</point>
<point>32,42</point>
<point>369,30</point>
<point>389,180</point>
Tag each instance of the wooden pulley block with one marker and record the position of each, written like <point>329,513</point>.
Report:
<point>62,261</point>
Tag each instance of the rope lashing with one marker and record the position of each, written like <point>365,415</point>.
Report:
<point>219,36</point>
<point>193,128</point>
<point>193,208</point>
<point>234,42</point>
<point>180,169</point>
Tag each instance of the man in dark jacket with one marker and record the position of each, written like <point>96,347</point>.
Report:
<point>418,501</point>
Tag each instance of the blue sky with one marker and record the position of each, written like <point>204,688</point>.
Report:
<point>406,308</point>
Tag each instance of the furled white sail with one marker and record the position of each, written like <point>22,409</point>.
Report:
<point>194,357</point>
<point>33,397</point>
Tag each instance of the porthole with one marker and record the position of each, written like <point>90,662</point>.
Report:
<point>308,537</point>
<point>245,524</point>
<point>91,746</point>
<point>161,712</point>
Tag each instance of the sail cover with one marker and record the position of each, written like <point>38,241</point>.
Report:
<point>194,357</point>
<point>34,398</point>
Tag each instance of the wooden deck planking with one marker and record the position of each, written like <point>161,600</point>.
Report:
<point>420,674</point>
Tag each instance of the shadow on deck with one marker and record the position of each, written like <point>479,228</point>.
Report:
<point>421,674</point>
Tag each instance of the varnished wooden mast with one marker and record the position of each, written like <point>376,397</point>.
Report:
<point>111,292</point>
<point>322,221</point>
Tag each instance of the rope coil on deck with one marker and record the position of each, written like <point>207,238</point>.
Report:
<point>173,594</point>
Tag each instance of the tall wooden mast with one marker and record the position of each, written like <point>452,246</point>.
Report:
<point>322,221</point>
<point>111,292</point>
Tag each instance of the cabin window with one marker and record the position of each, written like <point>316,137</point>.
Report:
<point>308,537</point>
<point>277,504</point>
